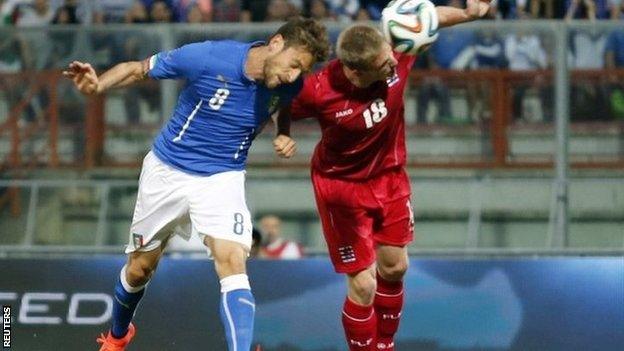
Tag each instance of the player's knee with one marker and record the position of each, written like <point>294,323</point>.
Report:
<point>364,286</point>
<point>139,273</point>
<point>230,262</point>
<point>394,271</point>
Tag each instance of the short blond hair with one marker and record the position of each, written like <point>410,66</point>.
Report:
<point>358,46</point>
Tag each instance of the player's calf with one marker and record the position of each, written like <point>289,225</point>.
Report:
<point>388,305</point>
<point>237,308</point>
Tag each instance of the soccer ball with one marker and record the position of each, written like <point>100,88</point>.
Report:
<point>411,26</point>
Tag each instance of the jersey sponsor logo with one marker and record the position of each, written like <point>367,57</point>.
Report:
<point>344,113</point>
<point>364,343</point>
<point>347,254</point>
<point>137,240</point>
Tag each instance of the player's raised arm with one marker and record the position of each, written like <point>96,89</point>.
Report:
<point>87,81</point>
<point>450,16</point>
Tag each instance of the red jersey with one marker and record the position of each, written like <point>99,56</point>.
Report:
<point>363,129</point>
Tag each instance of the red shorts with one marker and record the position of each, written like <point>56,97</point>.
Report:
<point>357,216</point>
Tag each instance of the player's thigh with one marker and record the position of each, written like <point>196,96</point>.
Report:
<point>161,205</point>
<point>347,231</point>
<point>395,223</point>
<point>218,208</point>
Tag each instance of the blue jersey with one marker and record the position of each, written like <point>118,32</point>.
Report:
<point>219,111</point>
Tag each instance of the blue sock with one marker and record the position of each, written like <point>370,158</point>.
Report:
<point>237,315</point>
<point>124,305</point>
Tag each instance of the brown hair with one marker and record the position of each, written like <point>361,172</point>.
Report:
<point>358,46</point>
<point>307,33</point>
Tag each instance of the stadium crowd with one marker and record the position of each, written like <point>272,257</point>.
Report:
<point>44,12</point>
<point>455,49</point>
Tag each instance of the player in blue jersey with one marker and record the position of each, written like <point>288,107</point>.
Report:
<point>192,181</point>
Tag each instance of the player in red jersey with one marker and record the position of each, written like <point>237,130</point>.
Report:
<point>358,172</point>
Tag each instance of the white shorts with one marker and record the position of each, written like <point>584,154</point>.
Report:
<point>171,202</point>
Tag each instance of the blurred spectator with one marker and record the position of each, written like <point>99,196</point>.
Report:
<point>194,15</point>
<point>589,99</point>
<point>318,10</point>
<point>489,51</point>
<point>363,15</point>
<point>254,10</point>
<point>227,11</point>
<point>137,13</point>
<point>581,9</point>
<point>276,247</point>
<point>10,60</point>
<point>6,12</point>
<point>344,10</point>
<point>614,49</point>
<point>616,8</point>
<point>374,7</point>
<point>114,11</point>
<point>587,49</point>
<point>181,10</point>
<point>160,12</point>
<point>452,50</point>
<point>504,9</point>
<point>525,52</point>
<point>132,45</point>
<point>543,8</point>
<point>614,58</point>
<point>40,14</point>
<point>66,14</point>
<point>279,10</point>
<point>36,48</point>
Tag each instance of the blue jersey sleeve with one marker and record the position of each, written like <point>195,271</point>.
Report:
<point>187,62</point>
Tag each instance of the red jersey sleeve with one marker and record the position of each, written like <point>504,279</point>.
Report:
<point>405,60</point>
<point>304,104</point>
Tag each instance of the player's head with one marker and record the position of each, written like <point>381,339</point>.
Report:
<point>271,226</point>
<point>294,49</point>
<point>366,54</point>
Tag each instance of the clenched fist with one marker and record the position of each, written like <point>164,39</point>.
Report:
<point>284,146</point>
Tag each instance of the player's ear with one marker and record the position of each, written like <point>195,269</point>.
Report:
<point>276,43</point>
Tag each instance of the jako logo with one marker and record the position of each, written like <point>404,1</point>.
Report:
<point>34,308</point>
<point>344,113</point>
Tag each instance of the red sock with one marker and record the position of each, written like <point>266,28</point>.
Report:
<point>388,304</point>
<point>359,325</point>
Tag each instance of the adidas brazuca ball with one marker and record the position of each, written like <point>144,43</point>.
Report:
<point>411,26</point>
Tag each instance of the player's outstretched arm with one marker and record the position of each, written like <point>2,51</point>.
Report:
<point>87,81</point>
<point>450,16</point>
<point>283,144</point>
